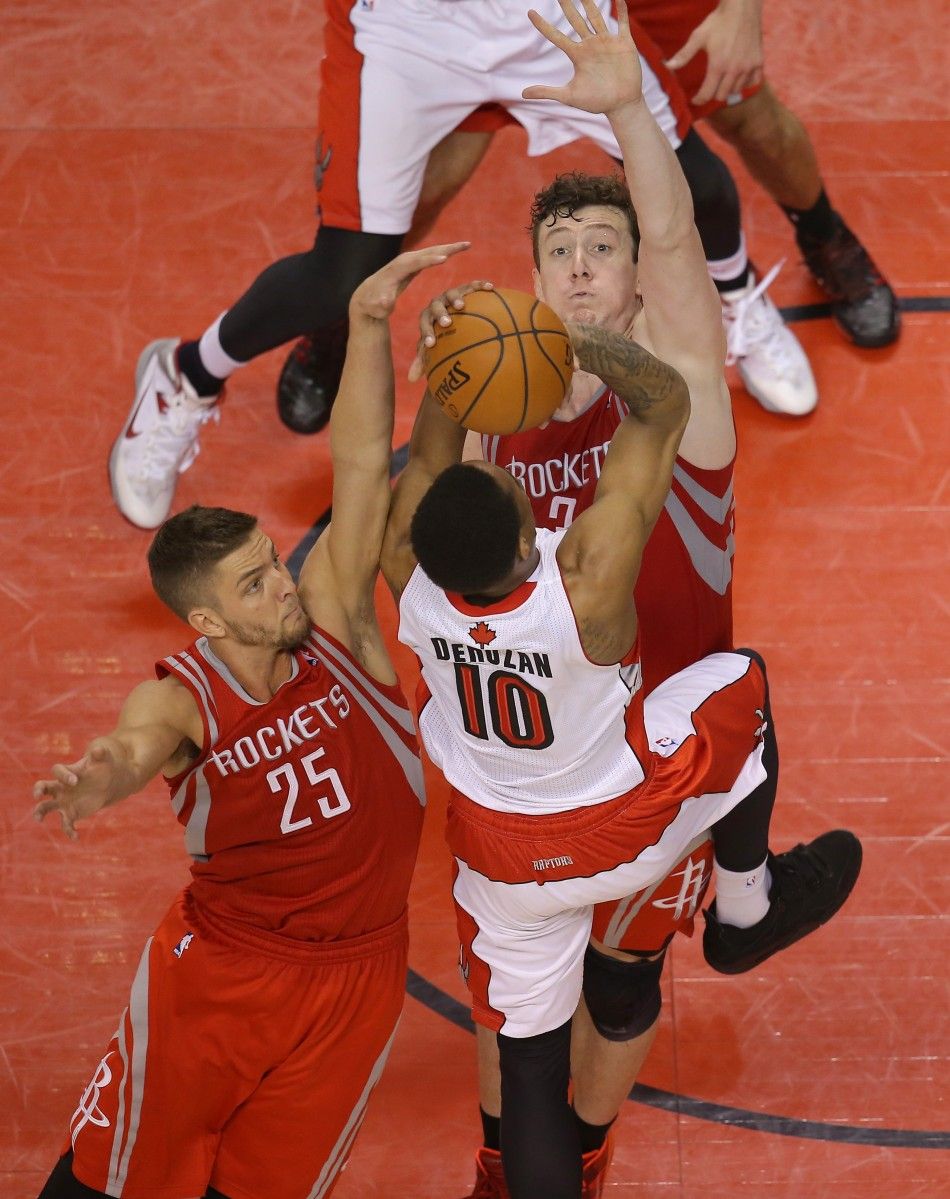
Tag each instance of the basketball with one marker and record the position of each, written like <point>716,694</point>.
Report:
<point>503,364</point>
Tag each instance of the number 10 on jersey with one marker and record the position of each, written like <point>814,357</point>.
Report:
<point>517,712</point>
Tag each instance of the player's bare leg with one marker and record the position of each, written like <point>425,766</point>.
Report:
<point>451,164</point>
<point>604,1071</point>
<point>779,154</point>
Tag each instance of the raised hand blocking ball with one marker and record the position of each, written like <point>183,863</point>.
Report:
<point>503,364</point>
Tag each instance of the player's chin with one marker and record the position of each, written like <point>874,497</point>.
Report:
<point>297,628</point>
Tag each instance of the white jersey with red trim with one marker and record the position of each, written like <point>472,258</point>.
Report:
<point>512,710</point>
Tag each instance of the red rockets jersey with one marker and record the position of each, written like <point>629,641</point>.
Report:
<point>303,814</point>
<point>684,591</point>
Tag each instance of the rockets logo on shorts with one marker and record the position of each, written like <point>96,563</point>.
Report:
<point>686,901</point>
<point>88,1110</point>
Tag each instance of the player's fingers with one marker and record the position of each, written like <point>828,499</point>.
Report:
<point>416,366</point>
<point>711,87</point>
<point>539,91</point>
<point>45,806</point>
<point>546,29</point>
<point>575,18</point>
<point>682,56</point>
<point>595,18</point>
<point>68,827</point>
<point>623,18</point>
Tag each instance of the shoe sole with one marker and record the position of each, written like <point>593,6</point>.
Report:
<point>851,877</point>
<point>870,343</point>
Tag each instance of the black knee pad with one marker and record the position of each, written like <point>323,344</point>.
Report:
<point>623,997</point>
<point>715,197</point>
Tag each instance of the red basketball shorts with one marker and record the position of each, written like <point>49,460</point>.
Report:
<point>668,23</point>
<point>239,1066</point>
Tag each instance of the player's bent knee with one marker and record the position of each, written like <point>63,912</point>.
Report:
<point>342,258</point>
<point>623,997</point>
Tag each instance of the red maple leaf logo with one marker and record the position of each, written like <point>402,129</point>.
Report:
<point>481,634</point>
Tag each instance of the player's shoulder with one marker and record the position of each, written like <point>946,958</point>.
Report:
<point>165,700</point>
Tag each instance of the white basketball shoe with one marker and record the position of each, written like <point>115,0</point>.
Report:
<point>770,359</point>
<point>160,438</point>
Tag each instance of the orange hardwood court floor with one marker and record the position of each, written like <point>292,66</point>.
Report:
<point>153,157</point>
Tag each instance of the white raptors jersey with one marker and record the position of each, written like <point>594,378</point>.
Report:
<point>511,709</point>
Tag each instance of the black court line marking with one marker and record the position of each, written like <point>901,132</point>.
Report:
<point>815,312</point>
<point>456,1013</point>
<point>700,1109</point>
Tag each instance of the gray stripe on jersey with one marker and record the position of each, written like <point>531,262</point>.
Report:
<point>200,680</point>
<point>402,716</point>
<point>712,564</point>
<point>120,1102</point>
<point>195,676</point>
<point>178,799</point>
<point>224,673</point>
<point>410,763</point>
<point>716,507</point>
<point>340,1151</point>
<point>197,825</point>
<point>135,1072</point>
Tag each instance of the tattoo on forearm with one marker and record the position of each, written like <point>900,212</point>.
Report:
<point>626,367</point>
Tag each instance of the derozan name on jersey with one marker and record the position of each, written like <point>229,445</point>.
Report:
<point>559,474</point>
<point>513,659</point>
<point>272,741</point>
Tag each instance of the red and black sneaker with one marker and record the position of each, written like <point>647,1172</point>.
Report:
<point>310,378</point>
<point>863,303</point>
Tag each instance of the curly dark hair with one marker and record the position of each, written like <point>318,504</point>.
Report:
<point>575,190</point>
<point>465,531</point>
<point>187,547</point>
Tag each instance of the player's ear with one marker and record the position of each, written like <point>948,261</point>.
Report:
<point>536,276</point>
<point>206,622</point>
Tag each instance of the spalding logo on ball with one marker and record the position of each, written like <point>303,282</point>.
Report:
<point>503,364</point>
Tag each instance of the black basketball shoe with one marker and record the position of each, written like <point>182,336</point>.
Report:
<point>809,884</point>
<point>310,378</point>
<point>863,303</point>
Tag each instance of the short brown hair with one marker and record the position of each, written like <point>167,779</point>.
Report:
<point>575,190</point>
<point>186,549</point>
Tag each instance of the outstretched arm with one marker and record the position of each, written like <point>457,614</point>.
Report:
<point>681,306</point>
<point>436,443</point>
<point>601,551</point>
<point>337,580</point>
<point>158,725</point>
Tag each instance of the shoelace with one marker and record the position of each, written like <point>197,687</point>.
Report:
<point>753,323</point>
<point>800,870</point>
<point>172,441</point>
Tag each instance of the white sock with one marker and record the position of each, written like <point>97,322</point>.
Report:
<point>724,269</point>
<point>742,896</point>
<point>213,358</point>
